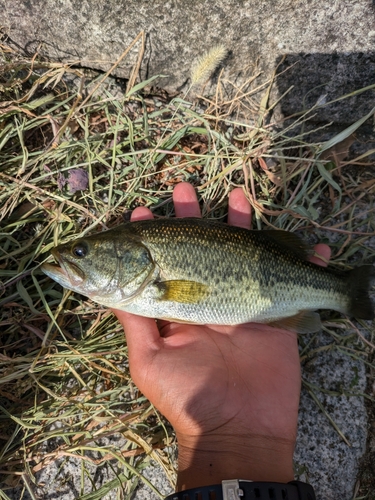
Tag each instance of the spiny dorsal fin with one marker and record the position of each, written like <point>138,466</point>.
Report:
<point>184,291</point>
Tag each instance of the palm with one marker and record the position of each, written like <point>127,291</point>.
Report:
<point>210,377</point>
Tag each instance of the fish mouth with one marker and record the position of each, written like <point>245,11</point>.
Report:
<point>64,272</point>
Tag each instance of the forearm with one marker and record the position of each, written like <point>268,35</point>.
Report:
<point>204,463</point>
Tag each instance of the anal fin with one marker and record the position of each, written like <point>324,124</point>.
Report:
<point>303,322</point>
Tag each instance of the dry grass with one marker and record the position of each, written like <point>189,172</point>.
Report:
<point>74,157</point>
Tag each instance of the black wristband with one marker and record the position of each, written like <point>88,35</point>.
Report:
<point>238,489</point>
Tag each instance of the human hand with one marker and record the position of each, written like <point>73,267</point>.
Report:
<point>230,392</point>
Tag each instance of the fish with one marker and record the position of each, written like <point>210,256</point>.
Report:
<point>202,271</point>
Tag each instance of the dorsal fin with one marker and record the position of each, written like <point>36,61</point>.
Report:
<point>290,241</point>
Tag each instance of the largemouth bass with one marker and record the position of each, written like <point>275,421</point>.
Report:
<point>205,272</point>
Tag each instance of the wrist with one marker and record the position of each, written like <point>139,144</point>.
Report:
<point>209,460</point>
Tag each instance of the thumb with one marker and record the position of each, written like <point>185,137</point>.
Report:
<point>142,336</point>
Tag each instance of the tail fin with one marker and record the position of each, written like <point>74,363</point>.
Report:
<point>359,282</point>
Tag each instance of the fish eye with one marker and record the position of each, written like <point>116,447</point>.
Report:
<point>80,250</point>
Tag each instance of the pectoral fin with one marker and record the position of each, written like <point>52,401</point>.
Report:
<point>303,322</point>
<point>186,292</point>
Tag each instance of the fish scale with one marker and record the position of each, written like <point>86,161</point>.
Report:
<point>202,271</point>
